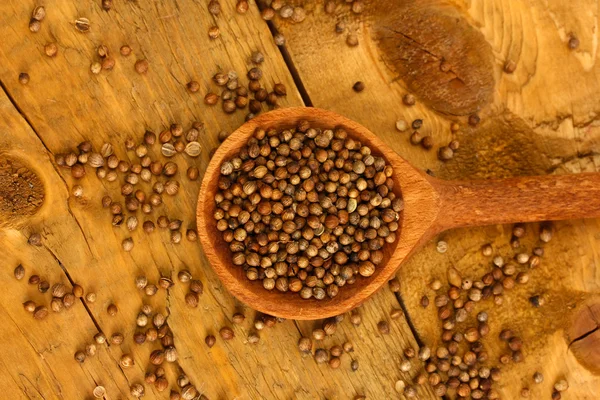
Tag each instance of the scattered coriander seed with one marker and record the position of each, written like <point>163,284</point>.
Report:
<point>40,312</point>
<point>99,392</point>
<point>238,318</point>
<point>561,385</point>
<point>112,310</point>
<point>427,142</point>
<point>545,234</point>
<point>573,43</point>
<point>210,340</point>
<point>318,334</point>
<point>321,356</point>
<point>442,247</point>
<point>304,345</point>
<point>226,333</point>
<point>51,49</point>
<point>537,301</point>
<point>43,286</point>
<point>127,244</point>
<point>474,119</point>
<point>358,87</point>
<point>424,301</point>
<point>125,50</point>
<point>445,153</point>
<point>35,239</point>
<point>39,13</point>
<point>242,7</point>
<point>408,99</point>
<point>137,390</point>
<point>90,297</point>
<point>394,285</point>
<point>214,32</point>
<point>257,57</point>
<point>193,86</point>
<point>401,125</point>
<point>510,66</point>
<point>19,272</point>
<point>34,25</point>
<point>29,306</point>
<point>126,361</point>
<point>77,191</point>
<point>396,313</point>
<point>352,40</point>
<point>383,327</point>
<point>354,365</point>
<point>82,25</point>
<point>279,39</point>
<point>23,78</point>
<point>538,377</point>
<point>79,357</point>
<point>141,66</point>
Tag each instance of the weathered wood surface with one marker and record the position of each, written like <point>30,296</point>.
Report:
<point>540,119</point>
<point>63,105</point>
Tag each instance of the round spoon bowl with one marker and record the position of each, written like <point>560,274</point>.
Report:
<point>291,305</point>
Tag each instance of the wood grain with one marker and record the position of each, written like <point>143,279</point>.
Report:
<point>65,104</point>
<point>542,119</point>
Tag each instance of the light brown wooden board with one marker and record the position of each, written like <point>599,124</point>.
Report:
<point>541,119</point>
<point>65,104</point>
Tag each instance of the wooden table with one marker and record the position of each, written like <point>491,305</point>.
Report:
<point>540,119</point>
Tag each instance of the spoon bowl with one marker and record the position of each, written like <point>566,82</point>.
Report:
<point>463,204</point>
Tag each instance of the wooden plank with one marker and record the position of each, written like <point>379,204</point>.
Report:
<point>541,119</point>
<point>65,104</point>
<point>38,359</point>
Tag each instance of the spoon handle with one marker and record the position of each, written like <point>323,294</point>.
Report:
<point>526,199</point>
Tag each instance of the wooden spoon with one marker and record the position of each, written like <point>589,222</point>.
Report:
<point>430,206</point>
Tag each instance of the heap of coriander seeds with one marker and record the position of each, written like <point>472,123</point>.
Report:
<point>306,210</point>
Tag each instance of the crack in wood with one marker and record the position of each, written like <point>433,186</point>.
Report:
<point>30,124</point>
<point>287,59</point>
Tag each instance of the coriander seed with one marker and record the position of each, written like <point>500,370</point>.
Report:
<point>19,272</point>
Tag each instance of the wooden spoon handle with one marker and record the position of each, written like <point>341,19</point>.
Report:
<point>527,199</point>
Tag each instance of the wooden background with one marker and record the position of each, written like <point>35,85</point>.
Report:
<point>540,119</point>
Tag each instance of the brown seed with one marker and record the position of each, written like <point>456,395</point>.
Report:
<point>79,356</point>
<point>29,306</point>
<point>34,25</point>
<point>125,50</point>
<point>383,327</point>
<point>82,25</point>
<point>112,310</point>
<point>358,87</point>
<point>238,318</point>
<point>394,285</point>
<point>573,43</point>
<point>193,86</point>
<point>40,312</point>
<point>23,78</point>
<point>214,7</point>
<point>445,153</point>
<point>161,384</point>
<point>352,40</point>
<point>51,49</point>
<point>510,66</point>
<point>304,345</point>
<point>192,299</point>
<point>141,66</point>
<point>226,333</point>
<point>39,13</point>
<point>210,340</point>
<point>242,7</point>
<point>19,272</point>
<point>214,32</point>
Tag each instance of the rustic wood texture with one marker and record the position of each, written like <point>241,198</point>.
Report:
<point>65,104</point>
<point>541,119</point>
